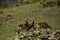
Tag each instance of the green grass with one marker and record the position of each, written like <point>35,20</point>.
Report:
<point>51,15</point>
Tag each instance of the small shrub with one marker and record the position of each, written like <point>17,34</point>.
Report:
<point>49,3</point>
<point>58,2</point>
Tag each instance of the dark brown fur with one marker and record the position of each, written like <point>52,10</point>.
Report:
<point>43,25</point>
<point>8,17</point>
<point>26,26</point>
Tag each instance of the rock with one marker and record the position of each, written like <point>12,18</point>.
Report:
<point>16,38</point>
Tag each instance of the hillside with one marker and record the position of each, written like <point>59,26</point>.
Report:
<point>50,15</point>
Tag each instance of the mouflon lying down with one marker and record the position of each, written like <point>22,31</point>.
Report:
<point>43,25</point>
<point>27,26</point>
<point>8,17</point>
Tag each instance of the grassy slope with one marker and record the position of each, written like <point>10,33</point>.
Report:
<point>51,15</point>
